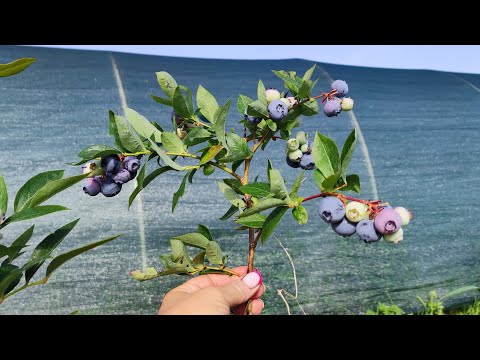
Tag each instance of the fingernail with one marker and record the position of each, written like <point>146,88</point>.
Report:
<point>259,274</point>
<point>261,302</point>
<point>252,279</point>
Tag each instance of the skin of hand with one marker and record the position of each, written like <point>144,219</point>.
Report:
<point>215,294</point>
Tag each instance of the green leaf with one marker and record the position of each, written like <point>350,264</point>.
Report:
<point>93,152</point>
<point>33,185</point>
<point>257,189</point>
<point>353,183</point>
<point>10,276</point>
<point>179,193</point>
<point>257,109</point>
<point>262,206</point>
<point>210,154</point>
<point>180,104</point>
<point>310,108</point>
<point>300,214</point>
<point>459,291</point>
<point>318,177</point>
<point>180,255</point>
<point>330,182</point>
<point>235,199</point>
<point>142,126</point>
<point>167,83</point>
<point>161,100</point>
<point>304,90</point>
<point>220,120</point>
<point>52,188</point>
<point>166,159</point>
<point>207,103</point>
<point>15,66</point>
<point>31,213</point>
<point>277,185</point>
<point>262,93</point>
<point>325,154</point>
<point>196,136</point>
<point>63,258</point>
<point>20,243</point>
<point>214,253</point>
<point>202,229</point>
<point>242,103</point>
<point>230,212</point>
<point>128,136</point>
<point>140,187</point>
<point>253,221</point>
<point>194,239</point>
<point>272,125</point>
<point>309,73</point>
<point>239,149</point>
<point>3,197</point>
<point>46,247</point>
<point>292,83</point>
<point>235,184</point>
<point>296,185</point>
<point>272,221</point>
<point>199,260</point>
<point>347,151</point>
<point>113,131</point>
<point>172,143</point>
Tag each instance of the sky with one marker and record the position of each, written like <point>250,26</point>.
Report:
<point>455,58</point>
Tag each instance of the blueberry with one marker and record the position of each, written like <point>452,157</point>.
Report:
<point>395,238</point>
<point>91,186</point>
<point>92,169</point>
<point>302,137</point>
<point>277,110</point>
<point>122,177</point>
<point>332,107</point>
<point>111,164</point>
<point>366,231</point>
<point>177,118</point>
<point>293,164</point>
<point>404,214</point>
<point>131,163</point>
<point>252,119</point>
<point>272,95</point>
<point>304,148</point>
<point>133,175</point>
<point>388,221</point>
<point>295,155</point>
<point>331,209</point>
<point>347,104</point>
<point>306,162</point>
<point>356,211</point>
<point>109,187</point>
<point>344,228</point>
<point>292,144</point>
<point>181,133</point>
<point>341,87</point>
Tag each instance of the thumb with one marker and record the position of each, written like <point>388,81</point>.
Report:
<point>240,290</point>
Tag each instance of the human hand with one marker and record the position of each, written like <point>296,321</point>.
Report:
<point>215,294</point>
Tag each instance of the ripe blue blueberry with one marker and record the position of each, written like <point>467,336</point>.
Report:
<point>366,231</point>
<point>306,162</point>
<point>341,87</point>
<point>277,110</point>
<point>131,163</point>
<point>252,119</point>
<point>293,164</point>
<point>91,186</point>
<point>344,228</point>
<point>109,187</point>
<point>332,107</point>
<point>388,221</point>
<point>121,177</point>
<point>111,164</point>
<point>331,209</point>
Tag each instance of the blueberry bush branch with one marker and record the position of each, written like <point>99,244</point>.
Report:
<point>196,136</point>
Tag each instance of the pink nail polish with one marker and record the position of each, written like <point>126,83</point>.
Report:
<point>260,274</point>
<point>252,279</point>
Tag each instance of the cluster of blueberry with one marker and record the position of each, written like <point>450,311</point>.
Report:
<point>299,152</point>
<point>109,174</point>
<point>369,223</point>
<point>277,107</point>
<point>335,101</point>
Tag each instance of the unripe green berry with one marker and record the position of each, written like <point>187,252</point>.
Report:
<point>272,94</point>
<point>286,102</point>
<point>394,238</point>
<point>181,133</point>
<point>404,214</point>
<point>296,155</point>
<point>347,104</point>
<point>292,144</point>
<point>208,169</point>
<point>304,148</point>
<point>302,137</point>
<point>356,211</point>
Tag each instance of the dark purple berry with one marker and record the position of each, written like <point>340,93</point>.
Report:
<point>332,107</point>
<point>111,164</point>
<point>293,164</point>
<point>131,163</point>
<point>331,209</point>
<point>122,177</point>
<point>306,163</point>
<point>109,187</point>
<point>366,231</point>
<point>91,186</point>
<point>341,87</point>
<point>344,228</point>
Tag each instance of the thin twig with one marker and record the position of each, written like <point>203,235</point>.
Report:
<point>279,292</point>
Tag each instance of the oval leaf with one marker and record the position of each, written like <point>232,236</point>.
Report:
<point>172,143</point>
<point>194,239</point>
<point>142,126</point>
<point>253,221</point>
<point>257,189</point>
<point>31,213</point>
<point>128,136</point>
<point>167,83</point>
<point>272,221</point>
<point>33,185</point>
<point>3,197</point>
<point>16,66</point>
<point>214,253</point>
<point>207,103</point>
<point>210,154</point>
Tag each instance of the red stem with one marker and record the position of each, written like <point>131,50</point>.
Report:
<point>367,202</point>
